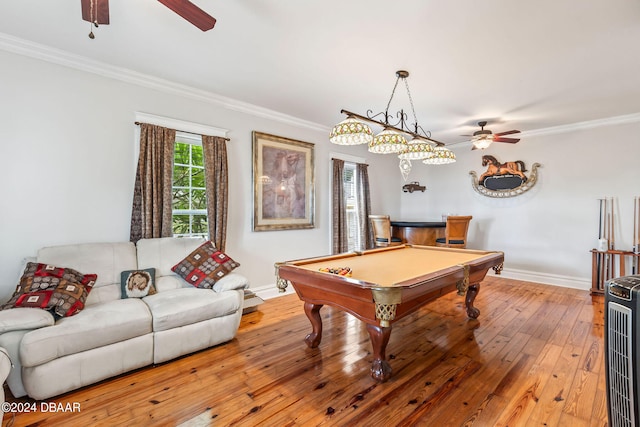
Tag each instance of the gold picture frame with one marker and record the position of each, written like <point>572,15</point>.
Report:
<point>283,183</point>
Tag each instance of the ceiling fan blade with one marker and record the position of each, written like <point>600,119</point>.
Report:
<point>100,11</point>
<point>509,132</point>
<point>191,13</point>
<point>509,140</point>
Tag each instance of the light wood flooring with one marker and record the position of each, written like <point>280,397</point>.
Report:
<point>533,358</point>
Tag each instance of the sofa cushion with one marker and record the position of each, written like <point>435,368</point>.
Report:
<point>61,291</point>
<point>24,318</point>
<point>138,283</point>
<point>204,266</point>
<point>166,283</point>
<point>184,306</point>
<point>95,326</point>
<point>107,260</point>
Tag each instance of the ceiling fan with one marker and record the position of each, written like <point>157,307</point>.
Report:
<point>97,12</point>
<point>482,138</point>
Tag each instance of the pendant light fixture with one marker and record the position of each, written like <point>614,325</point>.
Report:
<point>393,137</point>
<point>440,156</point>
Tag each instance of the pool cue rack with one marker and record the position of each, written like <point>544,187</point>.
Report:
<point>607,262</point>
<point>612,258</point>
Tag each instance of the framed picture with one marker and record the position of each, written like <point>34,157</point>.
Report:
<point>283,183</point>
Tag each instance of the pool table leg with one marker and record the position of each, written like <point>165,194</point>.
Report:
<point>313,313</point>
<point>380,368</point>
<point>472,292</point>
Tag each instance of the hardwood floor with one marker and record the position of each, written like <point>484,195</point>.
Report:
<point>533,358</point>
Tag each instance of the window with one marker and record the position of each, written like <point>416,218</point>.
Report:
<point>189,195</point>
<point>351,199</point>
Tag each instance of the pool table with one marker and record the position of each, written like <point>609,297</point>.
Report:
<point>385,285</point>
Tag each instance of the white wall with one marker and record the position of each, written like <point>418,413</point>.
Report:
<point>547,233</point>
<point>68,167</point>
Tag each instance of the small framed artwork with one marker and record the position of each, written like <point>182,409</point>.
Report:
<point>283,183</point>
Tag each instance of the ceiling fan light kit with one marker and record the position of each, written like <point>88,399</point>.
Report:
<point>483,138</point>
<point>481,143</point>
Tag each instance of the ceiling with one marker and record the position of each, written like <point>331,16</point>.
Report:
<point>520,65</point>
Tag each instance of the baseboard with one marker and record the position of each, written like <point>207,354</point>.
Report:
<point>271,291</point>
<point>545,278</point>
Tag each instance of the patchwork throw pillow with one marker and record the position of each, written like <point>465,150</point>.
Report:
<point>206,265</point>
<point>138,283</point>
<point>61,291</point>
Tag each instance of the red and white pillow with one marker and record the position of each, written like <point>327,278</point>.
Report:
<point>204,266</point>
<point>61,291</point>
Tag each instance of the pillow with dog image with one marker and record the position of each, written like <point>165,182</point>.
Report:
<point>137,283</point>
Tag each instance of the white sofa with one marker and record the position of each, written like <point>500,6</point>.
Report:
<point>111,335</point>
<point>5,368</point>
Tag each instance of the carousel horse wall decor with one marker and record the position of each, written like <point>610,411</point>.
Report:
<point>504,179</point>
<point>508,168</point>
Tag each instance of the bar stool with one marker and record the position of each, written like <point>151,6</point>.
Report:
<point>381,225</point>
<point>455,232</point>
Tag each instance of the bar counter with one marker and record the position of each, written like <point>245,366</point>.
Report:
<point>418,232</point>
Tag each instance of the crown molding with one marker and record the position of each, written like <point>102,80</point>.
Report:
<point>57,56</point>
<point>572,127</point>
<point>589,124</point>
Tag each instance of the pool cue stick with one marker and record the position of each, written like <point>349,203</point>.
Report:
<point>613,223</point>
<point>633,246</point>
<point>637,247</point>
<point>612,241</point>
<point>599,284</point>
<point>605,236</point>
<point>607,225</point>
<point>635,213</point>
<point>604,232</point>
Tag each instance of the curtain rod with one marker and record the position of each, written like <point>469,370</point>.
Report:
<point>178,130</point>
<point>350,161</point>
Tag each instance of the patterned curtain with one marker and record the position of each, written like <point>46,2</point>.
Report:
<point>151,213</point>
<point>364,205</point>
<point>339,214</point>
<point>217,179</point>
